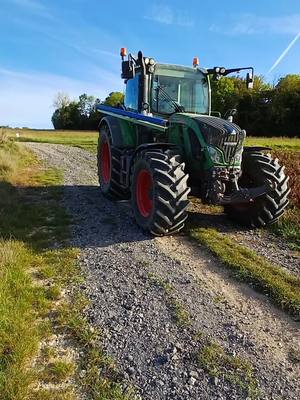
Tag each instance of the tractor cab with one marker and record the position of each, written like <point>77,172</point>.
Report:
<point>179,89</point>
<point>164,89</point>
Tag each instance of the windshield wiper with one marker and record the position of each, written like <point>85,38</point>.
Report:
<point>177,106</point>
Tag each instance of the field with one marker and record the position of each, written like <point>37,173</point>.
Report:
<point>83,139</point>
<point>88,139</point>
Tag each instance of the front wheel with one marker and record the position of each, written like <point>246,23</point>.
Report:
<point>257,168</point>
<point>159,192</point>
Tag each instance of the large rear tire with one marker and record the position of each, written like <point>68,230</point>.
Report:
<point>159,192</point>
<point>257,168</point>
<point>109,166</point>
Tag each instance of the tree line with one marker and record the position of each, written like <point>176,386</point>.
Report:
<point>81,114</point>
<point>266,110</point>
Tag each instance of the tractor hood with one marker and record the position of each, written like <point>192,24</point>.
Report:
<point>221,133</point>
<point>218,132</point>
<point>214,128</point>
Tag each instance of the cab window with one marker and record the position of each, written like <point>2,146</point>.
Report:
<point>131,100</point>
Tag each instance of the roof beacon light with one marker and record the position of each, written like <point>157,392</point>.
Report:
<point>123,52</point>
<point>195,62</point>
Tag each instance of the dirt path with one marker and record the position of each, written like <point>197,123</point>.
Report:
<point>136,310</point>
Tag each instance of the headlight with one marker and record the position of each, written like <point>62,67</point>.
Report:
<point>238,156</point>
<point>215,155</point>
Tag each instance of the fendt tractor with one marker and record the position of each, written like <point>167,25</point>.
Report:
<point>164,142</point>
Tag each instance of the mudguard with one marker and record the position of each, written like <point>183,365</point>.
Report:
<point>256,148</point>
<point>123,133</point>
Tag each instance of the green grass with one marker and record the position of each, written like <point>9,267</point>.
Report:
<point>25,232</point>
<point>282,287</point>
<point>58,371</point>
<point>84,139</point>
<point>180,315</point>
<point>217,363</point>
<point>19,306</point>
<point>53,394</point>
<point>288,228</point>
<point>276,143</point>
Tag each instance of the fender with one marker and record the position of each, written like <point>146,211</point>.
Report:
<point>122,132</point>
<point>255,148</point>
<point>129,156</point>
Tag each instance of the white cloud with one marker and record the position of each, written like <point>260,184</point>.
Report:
<point>26,98</point>
<point>164,14</point>
<point>249,24</point>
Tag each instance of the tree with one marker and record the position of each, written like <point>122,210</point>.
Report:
<point>79,114</point>
<point>61,100</point>
<point>286,105</point>
<point>67,117</point>
<point>114,99</point>
<point>86,104</point>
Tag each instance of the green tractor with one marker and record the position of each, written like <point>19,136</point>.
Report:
<point>164,143</point>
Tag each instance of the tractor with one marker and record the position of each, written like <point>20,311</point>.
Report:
<point>164,142</point>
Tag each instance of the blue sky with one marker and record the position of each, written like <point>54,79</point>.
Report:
<point>73,46</point>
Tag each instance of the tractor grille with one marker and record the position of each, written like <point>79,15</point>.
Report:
<point>225,135</point>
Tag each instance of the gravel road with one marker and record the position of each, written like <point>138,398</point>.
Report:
<point>154,351</point>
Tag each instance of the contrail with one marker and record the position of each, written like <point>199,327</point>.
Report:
<point>284,53</point>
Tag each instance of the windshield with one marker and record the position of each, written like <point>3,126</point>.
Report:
<point>186,87</point>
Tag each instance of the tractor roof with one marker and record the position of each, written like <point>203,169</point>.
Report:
<point>179,68</point>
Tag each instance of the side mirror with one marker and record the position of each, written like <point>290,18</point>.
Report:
<point>249,80</point>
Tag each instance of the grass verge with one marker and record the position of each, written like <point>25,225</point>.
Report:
<point>288,228</point>
<point>282,287</point>
<point>36,265</point>
<point>219,364</point>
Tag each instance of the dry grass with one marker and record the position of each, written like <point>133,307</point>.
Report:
<point>291,160</point>
<point>3,135</point>
<point>275,143</point>
<point>288,227</point>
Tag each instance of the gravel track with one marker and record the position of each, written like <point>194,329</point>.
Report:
<point>153,352</point>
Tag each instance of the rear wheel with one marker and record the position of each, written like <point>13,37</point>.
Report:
<point>257,168</point>
<point>159,192</point>
<point>109,166</point>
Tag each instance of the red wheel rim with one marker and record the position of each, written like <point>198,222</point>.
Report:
<point>144,193</point>
<point>105,161</point>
